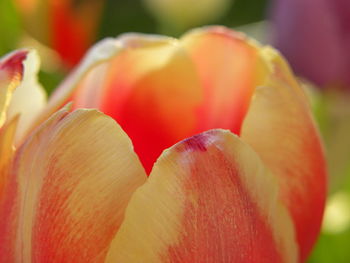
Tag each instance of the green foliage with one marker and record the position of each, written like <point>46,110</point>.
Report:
<point>332,248</point>
<point>10,26</point>
<point>131,16</point>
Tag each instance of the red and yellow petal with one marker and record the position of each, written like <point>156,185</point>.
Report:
<point>208,199</point>
<point>161,90</point>
<point>280,128</point>
<point>152,91</point>
<point>226,65</point>
<point>71,182</point>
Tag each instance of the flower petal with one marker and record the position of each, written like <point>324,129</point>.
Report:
<point>227,65</point>
<point>208,199</point>
<point>97,55</point>
<point>11,74</point>
<point>149,87</point>
<point>29,98</point>
<point>7,137</point>
<point>280,128</point>
<point>71,183</point>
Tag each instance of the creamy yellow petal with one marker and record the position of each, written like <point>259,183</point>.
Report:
<point>29,98</point>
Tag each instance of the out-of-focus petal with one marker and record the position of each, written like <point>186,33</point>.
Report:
<point>148,84</point>
<point>71,182</point>
<point>67,26</point>
<point>11,74</point>
<point>226,65</point>
<point>208,199</point>
<point>280,128</point>
<point>29,98</point>
<point>7,137</point>
<point>73,27</point>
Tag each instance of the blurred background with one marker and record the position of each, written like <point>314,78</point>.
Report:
<point>314,35</point>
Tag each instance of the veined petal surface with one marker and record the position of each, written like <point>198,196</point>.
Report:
<point>71,182</point>
<point>208,199</point>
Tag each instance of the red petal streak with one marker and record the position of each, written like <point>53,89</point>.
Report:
<point>13,64</point>
<point>221,224</point>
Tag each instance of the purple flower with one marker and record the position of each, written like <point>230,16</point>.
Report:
<point>314,35</point>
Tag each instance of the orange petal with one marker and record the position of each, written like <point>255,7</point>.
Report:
<point>226,65</point>
<point>279,126</point>
<point>71,183</point>
<point>11,73</point>
<point>208,199</point>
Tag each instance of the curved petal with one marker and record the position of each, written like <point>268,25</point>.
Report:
<point>11,74</point>
<point>98,54</point>
<point>71,182</point>
<point>208,199</point>
<point>280,128</point>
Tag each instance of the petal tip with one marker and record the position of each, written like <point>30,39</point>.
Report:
<point>13,63</point>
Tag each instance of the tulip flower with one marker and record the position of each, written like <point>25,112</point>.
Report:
<point>67,26</point>
<point>76,191</point>
<point>314,35</point>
